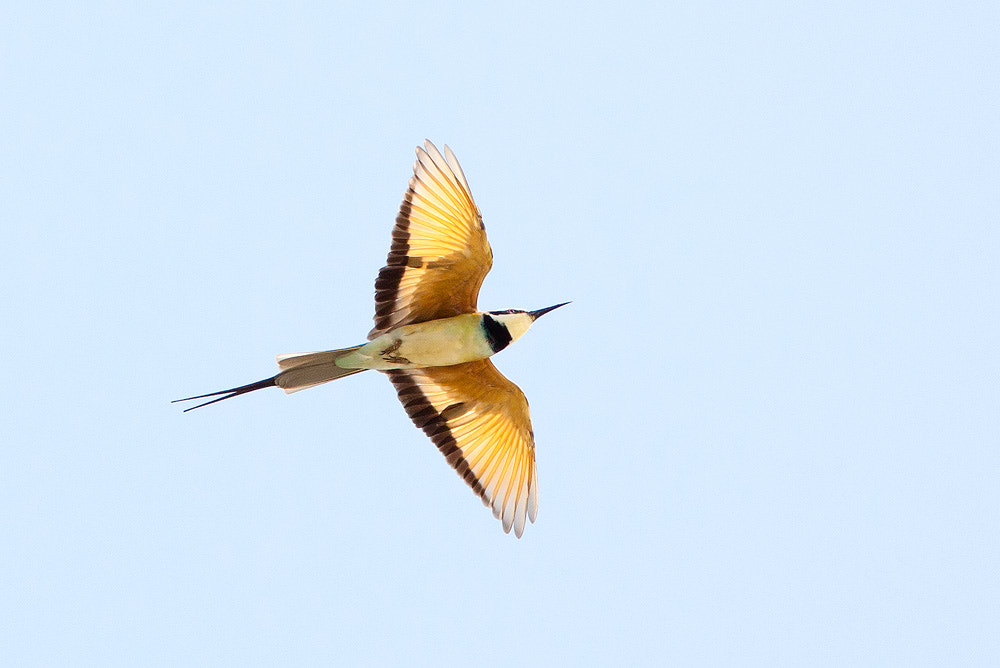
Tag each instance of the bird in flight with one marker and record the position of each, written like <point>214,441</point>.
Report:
<point>434,344</point>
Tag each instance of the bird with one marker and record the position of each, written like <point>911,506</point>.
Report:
<point>435,345</point>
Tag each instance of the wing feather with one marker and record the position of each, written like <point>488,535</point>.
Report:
<point>480,422</point>
<point>439,254</point>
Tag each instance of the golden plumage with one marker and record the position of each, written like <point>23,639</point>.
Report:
<point>439,255</point>
<point>477,418</point>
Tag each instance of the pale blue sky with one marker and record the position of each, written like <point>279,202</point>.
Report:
<point>767,426</point>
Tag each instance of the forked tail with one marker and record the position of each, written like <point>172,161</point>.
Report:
<point>298,372</point>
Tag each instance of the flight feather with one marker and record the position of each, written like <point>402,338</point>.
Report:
<point>480,422</point>
<point>439,254</point>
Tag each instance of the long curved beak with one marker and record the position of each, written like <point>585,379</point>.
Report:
<point>535,315</point>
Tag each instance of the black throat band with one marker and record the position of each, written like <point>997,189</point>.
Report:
<point>497,334</point>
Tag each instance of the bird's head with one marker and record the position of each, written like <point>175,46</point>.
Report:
<point>518,322</point>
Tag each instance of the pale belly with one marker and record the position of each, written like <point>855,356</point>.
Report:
<point>435,343</point>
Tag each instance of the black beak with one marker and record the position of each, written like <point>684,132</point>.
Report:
<point>535,315</point>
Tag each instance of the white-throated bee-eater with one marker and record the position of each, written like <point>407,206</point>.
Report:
<point>434,343</point>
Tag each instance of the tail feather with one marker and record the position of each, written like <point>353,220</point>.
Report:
<point>303,370</point>
<point>230,393</point>
<point>298,372</point>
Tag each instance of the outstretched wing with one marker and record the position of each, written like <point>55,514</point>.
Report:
<point>479,421</point>
<point>439,255</point>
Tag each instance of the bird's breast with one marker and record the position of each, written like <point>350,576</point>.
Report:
<point>434,343</point>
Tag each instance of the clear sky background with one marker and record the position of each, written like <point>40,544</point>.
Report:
<point>767,427</point>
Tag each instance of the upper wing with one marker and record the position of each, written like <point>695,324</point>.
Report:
<point>479,420</point>
<point>439,255</point>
